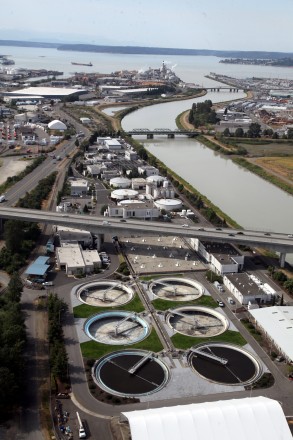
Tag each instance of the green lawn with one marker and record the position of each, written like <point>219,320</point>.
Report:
<point>205,300</point>
<point>154,277</point>
<point>95,350</point>
<point>185,342</point>
<point>84,310</point>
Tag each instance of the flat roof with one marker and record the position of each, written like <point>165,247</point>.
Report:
<point>249,284</point>
<point>277,322</point>
<point>257,418</point>
<point>70,254</point>
<point>45,91</point>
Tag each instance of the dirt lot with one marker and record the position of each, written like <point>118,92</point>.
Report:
<point>11,166</point>
<point>281,166</point>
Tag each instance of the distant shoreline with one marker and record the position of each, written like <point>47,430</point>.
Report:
<point>140,50</point>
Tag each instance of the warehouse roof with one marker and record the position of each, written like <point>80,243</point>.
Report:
<point>277,322</point>
<point>257,418</point>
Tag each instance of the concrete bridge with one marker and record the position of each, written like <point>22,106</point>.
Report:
<point>282,243</point>
<point>162,131</point>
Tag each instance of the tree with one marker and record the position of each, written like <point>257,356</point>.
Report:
<point>254,130</point>
<point>226,132</point>
<point>239,132</point>
<point>289,285</point>
<point>275,135</point>
<point>76,143</point>
<point>85,209</point>
<point>14,288</point>
<point>290,133</point>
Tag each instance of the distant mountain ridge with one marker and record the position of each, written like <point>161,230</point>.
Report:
<point>148,50</point>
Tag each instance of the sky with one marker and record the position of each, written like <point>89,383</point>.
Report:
<point>193,24</point>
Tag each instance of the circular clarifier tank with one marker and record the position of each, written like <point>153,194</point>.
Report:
<point>116,328</point>
<point>197,321</point>
<point>176,289</point>
<point>224,363</point>
<point>105,293</point>
<point>131,373</point>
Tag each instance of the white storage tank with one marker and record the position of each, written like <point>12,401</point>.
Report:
<point>168,204</point>
<point>123,194</point>
<point>165,184</point>
<point>149,188</point>
<point>157,193</point>
<point>120,182</point>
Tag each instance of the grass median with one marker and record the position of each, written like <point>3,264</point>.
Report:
<point>85,310</point>
<point>229,336</point>
<point>95,350</point>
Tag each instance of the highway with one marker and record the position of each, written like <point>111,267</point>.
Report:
<point>279,242</point>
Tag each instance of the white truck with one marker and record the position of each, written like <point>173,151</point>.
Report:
<point>81,430</point>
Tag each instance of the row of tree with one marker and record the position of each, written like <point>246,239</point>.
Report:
<point>254,131</point>
<point>12,342</point>
<point>58,355</point>
<point>281,278</point>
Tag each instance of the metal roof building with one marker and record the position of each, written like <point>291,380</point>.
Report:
<point>38,267</point>
<point>277,323</point>
<point>257,418</point>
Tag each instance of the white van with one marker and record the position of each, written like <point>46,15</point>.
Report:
<point>48,283</point>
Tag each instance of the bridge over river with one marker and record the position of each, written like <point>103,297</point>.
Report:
<point>162,131</point>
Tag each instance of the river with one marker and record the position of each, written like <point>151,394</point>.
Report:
<point>245,197</point>
<point>251,201</point>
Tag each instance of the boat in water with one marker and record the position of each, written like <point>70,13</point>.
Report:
<point>81,64</point>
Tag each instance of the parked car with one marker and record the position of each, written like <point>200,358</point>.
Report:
<point>220,303</point>
<point>231,300</point>
<point>280,358</point>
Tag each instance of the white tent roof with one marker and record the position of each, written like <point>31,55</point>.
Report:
<point>257,418</point>
<point>57,125</point>
<point>277,322</point>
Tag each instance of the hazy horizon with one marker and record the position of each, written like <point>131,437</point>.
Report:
<point>190,24</point>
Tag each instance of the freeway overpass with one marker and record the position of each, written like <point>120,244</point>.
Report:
<point>278,242</point>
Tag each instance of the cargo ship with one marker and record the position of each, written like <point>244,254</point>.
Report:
<point>82,64</point>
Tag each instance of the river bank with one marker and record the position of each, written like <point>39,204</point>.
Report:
<point>136,105</point>
<point>268,171</point>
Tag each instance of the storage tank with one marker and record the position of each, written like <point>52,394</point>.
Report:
<point>168,204</point>
<point>120,182</point>
<point>155,179</point>
<point>149,188</point>
<point>122,194</point>
<point>165,184</point>
<point>157,193</point>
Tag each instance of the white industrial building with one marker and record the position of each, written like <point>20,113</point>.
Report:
<point>148,170</point>
<point>156,179</point>
<point>254,418</point>
<point>133,209</point>
<point>277,324</point>
<point>74,260</point>
<point>72,235</point>
<point>138,183</point>
<point>248,288</point>
<point>93,170</point>
<point>112,144</point>
<point>78,187</point>
<point>222,257</point>
<point>130,155</point>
